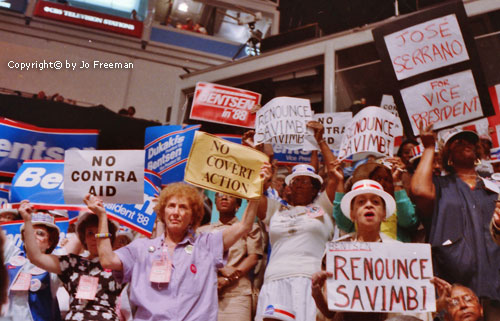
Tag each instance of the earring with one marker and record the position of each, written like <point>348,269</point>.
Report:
<point>477,162</point>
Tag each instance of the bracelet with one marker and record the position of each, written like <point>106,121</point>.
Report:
<point>398,184</point>
<point>102,235</point>
<point>322,141</point>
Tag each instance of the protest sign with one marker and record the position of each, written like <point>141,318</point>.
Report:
<point>139,217</point>
<point>435,73</point>
<point>4,196</point>
<point>226,167</point>
<point>167,149</point>
<point>13,231</point>
<point>334,124</point>
<point>116,176</point>
<point>283,121</point>
<point>371,131</point>
<point>41,182</point>
<point>20,142</point>
<point>223,104</point>
<point>380,277</point>
<point>388,104</point>
<point>426,46</point>
<point>444,101</point>
<point>153,177</point>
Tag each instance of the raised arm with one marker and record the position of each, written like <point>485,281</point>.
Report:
<point>233,233</point>
<point>107,258</point>
<point>328,158</point>
<point>422,189</point>
<point>48,262</point>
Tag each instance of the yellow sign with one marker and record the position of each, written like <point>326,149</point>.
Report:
<point>223,166</point>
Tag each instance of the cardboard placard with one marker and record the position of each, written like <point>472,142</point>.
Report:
<point>426,46</point>
<point>226,167</point>
<point>283,121</point>
<point>372,131</point>
<point>433,67</point>
<point>334,124</point>
<point>380,277</point>
<point>444,101</point>
<point>224,105</point>
<point>116,176</point>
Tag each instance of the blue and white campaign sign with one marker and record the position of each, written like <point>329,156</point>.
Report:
<point>154,177</point>
<point>167,149</point>
<point>41,182</point>
<point>13,230</point>
<point>139,217</point>
<point>20,142</point>
<point>115,176</point>
<point>4,196</point>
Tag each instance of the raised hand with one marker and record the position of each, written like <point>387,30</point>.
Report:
<point>26,209</point>
<point>94,204</point>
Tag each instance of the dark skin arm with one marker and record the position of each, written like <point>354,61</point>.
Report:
<point>423,191</point>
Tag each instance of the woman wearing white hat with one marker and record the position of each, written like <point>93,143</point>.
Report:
<point>367,205</point>
<point>298,233</point>
<point>93,291</point>
<point>32,290</point>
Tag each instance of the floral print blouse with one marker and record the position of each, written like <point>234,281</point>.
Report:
<point>103,307</point>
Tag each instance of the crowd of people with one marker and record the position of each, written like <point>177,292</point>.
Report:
<point>270,264</point>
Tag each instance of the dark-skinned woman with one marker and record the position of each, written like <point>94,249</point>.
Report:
<point>457,209</point>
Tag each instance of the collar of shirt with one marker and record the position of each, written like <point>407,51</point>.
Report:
<point>231,222</point>
<point>188,238</point>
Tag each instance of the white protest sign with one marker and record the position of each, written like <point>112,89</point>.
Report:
<point>380,277</point>
<point>334,124</point>
<point>283,121</point>
<point>116,176</point>
<point>388,104</point>
<point>427,46</point>
<point>444,101</point>
<point>371,131</point>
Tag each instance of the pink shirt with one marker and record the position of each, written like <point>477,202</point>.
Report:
<point>192,291</point>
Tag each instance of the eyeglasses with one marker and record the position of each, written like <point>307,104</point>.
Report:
<point>41,233</point>
<point>467,298</point>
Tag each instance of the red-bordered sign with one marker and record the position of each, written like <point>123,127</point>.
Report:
<point>225,105</point>
<point>88,18</point>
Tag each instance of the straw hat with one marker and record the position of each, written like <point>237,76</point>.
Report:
<point>48,221</point>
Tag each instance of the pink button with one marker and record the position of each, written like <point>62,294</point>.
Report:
<point>193,268</point>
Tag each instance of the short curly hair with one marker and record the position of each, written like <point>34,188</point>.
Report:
<point>89,220</point>
<point>189,192</point>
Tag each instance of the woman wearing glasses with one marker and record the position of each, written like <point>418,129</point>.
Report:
<point>93,291</point>
<point>32,290</point>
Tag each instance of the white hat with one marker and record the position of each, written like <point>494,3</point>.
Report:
<point>303,170</point>
<point>456,131</point>
<point>278,312</point>
<point>7,208</point>
<point>416,152</point>
<point>125,231</point>
<point>41,218</point>
<point>367,186</point>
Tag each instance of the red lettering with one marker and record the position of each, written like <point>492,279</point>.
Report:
<point>388,275</point>
<point>430,29</point>
<point>371,299</point>
<point>402,269</point>
<point>353,268</point>
<point>368,268</point>
<point>411,297</point>
<point>356,296</point>
<point>419,36</point>
<point>346,304</point>
<point>397,298</point>
<point>442,31</point>
<point>415,277</point>
<point>338,267</point>
<point>379,269</point>
<point>423,262</point>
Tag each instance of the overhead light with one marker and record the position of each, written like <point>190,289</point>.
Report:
<point>183,7</point>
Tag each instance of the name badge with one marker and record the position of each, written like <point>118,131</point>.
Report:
<point>87,287</point>
<point>22,282</point>
<point>314,211</point>
<point>491,185</point>
<point>160,271</point>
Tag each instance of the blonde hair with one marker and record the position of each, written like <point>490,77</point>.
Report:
<point>189,192</point>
